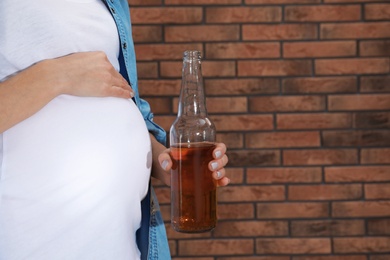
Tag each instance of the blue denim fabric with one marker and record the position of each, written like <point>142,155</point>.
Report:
<point>151,237</point>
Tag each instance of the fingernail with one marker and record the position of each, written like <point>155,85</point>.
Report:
<point>219,174</point>
<point>214,165</point>
<point>218,154</point>
<point>132,94</point>
<point>164,164</point>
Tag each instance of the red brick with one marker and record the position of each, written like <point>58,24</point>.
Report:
<point>255,32</point>
<point>331,257</point>
<point>236,86</point>
<point>361,245</point>
<point>284,175</point>
<point>352,66</point>
<point>359,102</point>
<point>375,156</point>
<point>152,33</point>
<point>236,175</point>
<point>349,1</point>
<point>371,120</point>
<point>258,258</point>
<point>357,174</point>
<point>235,211</point>
<point>159,87</point>
<point>377,191</point>
<point>147,70</point>
<point>172,69</point>
<point>325,192</point>
<point>175,15</point>
<point>321,228</point>
<point>201,2</point>
<point>361,209</point>
<point>196,33</point>
<point>378,226</point>
<point>380,257</point>
<point>367,30</point>
<point>319,49</point>
<point>320,157</point>
<point>251,193</point>
<point>220,247</point>
<point>377,11</point>
<point>142,2</point>
<point>374,48</point>
<point>292,210</point>
<point>319,13</point>
<point>283,139</point>
<point>193,258</point>
<point>274,68</point>
<point>232,140</point>
<point>286,103</point>
<point>164,121</point>
<point>314,121</point>
<point>375,84</point>
<point>172,247</point>
<point>244,122</point>
<point>282,1</point>
<point>293,246</point>
<point>243,14</point>
<point>165,210</point>
<point>242,50</point>
<point>251,229</point>
<point>226,105</point>
<point>222,105</point>
<point>356,138</point>
<point>160,105</point>
<point>149,52</point>
<point>342,84</point>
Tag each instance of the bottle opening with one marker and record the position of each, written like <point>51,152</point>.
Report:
<point>192,54</point>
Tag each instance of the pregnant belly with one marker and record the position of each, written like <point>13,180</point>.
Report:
<point>76,169</point>
<point>88,150</point>
<point>73,140</point>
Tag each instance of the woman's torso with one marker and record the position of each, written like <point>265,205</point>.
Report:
<point>73,174</point>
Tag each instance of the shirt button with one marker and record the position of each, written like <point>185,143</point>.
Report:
<point>112,10</point>
<point>124,45</point>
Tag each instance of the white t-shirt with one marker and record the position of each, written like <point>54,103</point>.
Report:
<point>72,175</point>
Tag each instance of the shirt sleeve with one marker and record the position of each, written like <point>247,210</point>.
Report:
<point>155,129</point>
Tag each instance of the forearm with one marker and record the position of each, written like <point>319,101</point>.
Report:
<point>25,93</point>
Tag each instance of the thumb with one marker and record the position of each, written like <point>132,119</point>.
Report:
<point>165,160</point>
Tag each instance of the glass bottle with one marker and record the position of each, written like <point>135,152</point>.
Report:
<point>192,141</point>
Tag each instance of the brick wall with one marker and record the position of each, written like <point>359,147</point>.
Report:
<point>300,92</point>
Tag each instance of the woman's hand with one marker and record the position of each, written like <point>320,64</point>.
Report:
<point>217,166</point>
<point>88,74</point>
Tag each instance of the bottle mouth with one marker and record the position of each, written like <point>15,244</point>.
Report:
<point>192,54</point>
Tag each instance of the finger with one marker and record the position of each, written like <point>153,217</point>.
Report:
<point>223,182</point>
<point>165,160</point>
<point>218,164</point>
<point>219,150</point>
<point>124,89</point>
<point>116,91</point>
<point>217,175</point>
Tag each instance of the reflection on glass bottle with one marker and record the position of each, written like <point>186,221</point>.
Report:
<point>192,141</point>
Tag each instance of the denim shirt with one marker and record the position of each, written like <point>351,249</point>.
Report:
<point>151,237</point>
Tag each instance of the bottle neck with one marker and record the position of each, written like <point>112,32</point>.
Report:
<point>192,99</point>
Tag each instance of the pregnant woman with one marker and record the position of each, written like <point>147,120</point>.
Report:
<point>77,144</point>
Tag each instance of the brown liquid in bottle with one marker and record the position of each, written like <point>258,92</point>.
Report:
<point>193,195</point>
